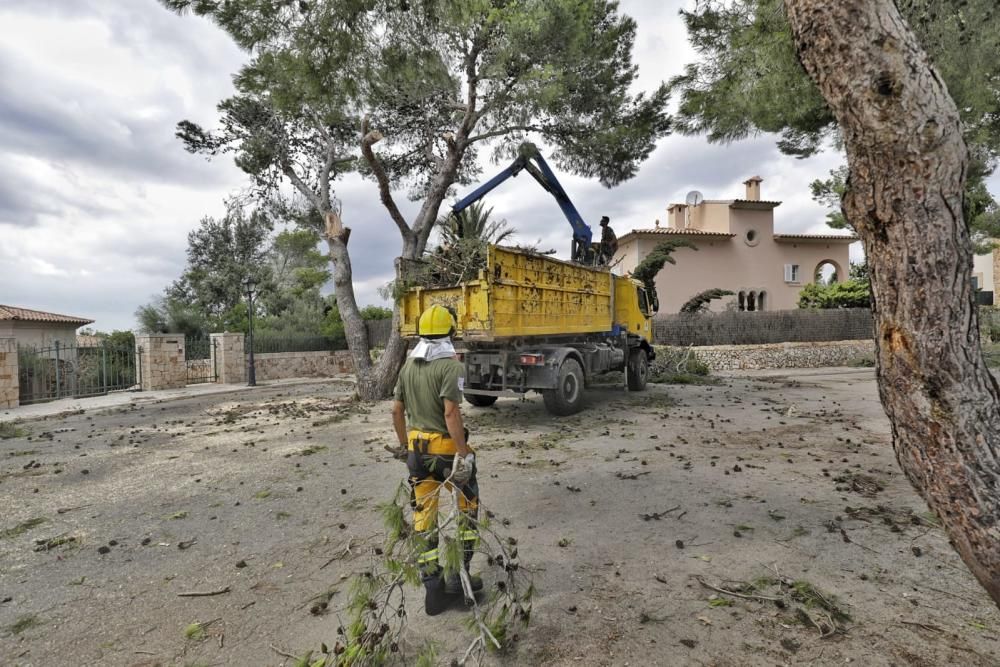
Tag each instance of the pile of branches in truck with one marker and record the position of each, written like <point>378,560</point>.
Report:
<point>451,264</point>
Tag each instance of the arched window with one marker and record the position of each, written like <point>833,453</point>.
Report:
<point>760,300</point>
<point>742,301</point>
<point>827,272</point>
<point>751,301</point>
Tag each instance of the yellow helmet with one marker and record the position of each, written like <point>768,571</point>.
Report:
<point>436,322</point>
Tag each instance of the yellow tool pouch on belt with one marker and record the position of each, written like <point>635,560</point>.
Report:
<point>432,444</point>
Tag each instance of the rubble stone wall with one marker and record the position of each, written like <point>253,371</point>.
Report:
<point>281,365</point>
<point>785,355</point>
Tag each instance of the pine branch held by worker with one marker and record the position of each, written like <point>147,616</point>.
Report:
<point>427,419</point>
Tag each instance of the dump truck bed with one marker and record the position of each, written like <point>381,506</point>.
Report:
<point>521,294</point>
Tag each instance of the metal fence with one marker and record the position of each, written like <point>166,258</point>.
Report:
<point>378,335</point>
<point>266,343</point>
<point>75,371</point>
<point>200,360</point>
<point>756,328</point>
<point>379,332</point>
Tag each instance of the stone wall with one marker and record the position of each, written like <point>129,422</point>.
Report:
<point>229,358</point>
<point>161,361</point>
<point>785,355</point>
<point>8,373</point>
<point>281,365</point>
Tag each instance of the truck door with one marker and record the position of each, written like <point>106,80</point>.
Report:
<point>647,308</point>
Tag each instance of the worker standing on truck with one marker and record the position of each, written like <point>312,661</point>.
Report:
<point>427,398</point>
<point>609,241</point>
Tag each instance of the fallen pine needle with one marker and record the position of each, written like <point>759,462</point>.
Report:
<point>280,652</point>
<point>925,626</point>
<point>203,594</point>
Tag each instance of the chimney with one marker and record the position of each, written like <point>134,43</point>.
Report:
<point>753,188</point>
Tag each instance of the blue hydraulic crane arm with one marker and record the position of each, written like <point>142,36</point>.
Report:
<point>582,234</point>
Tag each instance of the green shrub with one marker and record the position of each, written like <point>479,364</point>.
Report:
<point>848,294</point>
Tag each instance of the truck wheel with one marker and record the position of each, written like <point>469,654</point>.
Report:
<point>480,401</point>
<point>567,397</point>
<point>638,369</point>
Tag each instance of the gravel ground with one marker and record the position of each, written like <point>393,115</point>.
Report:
<point>767,479</point>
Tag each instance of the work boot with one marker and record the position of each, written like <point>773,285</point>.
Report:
<point>435,596</point>
<point>453,584</point>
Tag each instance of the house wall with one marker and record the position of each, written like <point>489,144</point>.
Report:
<point>982,269</point>
<point>39,334</point>
<point>708,217</point>
<point>627,257</point>
<point>732,264</point>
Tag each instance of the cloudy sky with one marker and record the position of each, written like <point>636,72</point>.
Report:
<point>97,196</point>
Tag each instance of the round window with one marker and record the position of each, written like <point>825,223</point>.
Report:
<point>751,237</point>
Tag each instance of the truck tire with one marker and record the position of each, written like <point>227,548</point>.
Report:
<point>567,397</point>
<point>638,369</point>
<point>480,401</point>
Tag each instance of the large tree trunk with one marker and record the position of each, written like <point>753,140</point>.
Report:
<point>354,327</point>
<point>379,382</point>
<point>908,162</point>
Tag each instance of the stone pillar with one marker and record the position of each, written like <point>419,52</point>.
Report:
<point>229,358</point>
<point>8,373</point>
<point>161,361</point>
<point>996,275</point>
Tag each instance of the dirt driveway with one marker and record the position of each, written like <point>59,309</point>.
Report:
<point>771,487</point>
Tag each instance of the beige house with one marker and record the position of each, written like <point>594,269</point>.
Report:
<point>738,251</point>
<point>35,328</point>
<point>984,276</point>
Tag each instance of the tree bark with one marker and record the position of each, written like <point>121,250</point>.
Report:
<point>908,164</point>
<point>354,327</point>
<point>379,382</point>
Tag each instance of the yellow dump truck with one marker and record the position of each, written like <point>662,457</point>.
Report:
<point>533,323</point>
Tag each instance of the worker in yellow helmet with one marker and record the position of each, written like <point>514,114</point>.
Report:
<point>427,399</point>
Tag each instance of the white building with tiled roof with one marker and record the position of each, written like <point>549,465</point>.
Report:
<point>738,251</point>
<point>37,328</point>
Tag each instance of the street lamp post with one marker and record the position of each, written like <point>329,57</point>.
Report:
<point>250,285</point>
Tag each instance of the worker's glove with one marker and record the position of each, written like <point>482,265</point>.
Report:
<point>400,453</point>
<point>462,468</point>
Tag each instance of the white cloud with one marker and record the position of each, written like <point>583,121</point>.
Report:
<point>97,196</point>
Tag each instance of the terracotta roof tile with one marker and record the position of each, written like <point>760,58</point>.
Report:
<point>28,315</point>
<point>816,237</point>
<point>680,232</point>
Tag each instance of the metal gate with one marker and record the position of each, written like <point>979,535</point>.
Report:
<point>199,356</point>
<point>76,371</point>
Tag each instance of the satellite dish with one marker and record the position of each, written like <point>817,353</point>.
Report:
<point>694,198</point>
